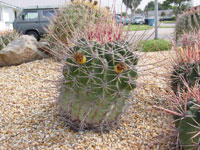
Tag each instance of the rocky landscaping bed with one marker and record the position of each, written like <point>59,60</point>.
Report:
<point>30,117</point>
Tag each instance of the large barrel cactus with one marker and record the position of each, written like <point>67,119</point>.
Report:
<point>98,81</point>
<point>99,70</point>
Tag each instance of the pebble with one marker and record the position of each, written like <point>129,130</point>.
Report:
<point>29,116</point>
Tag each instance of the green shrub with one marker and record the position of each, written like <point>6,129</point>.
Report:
<point>155,45</point>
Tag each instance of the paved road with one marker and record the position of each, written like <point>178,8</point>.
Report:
<point>163,33</point>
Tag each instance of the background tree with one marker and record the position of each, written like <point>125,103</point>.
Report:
<point>150,6</point>
<point>177,5</point>
<point>139,11</point>
<point>132,4</point>
<point>124,14</point>
<point>163,14</point>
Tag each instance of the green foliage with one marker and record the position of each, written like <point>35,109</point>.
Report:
<point>124,14</point>
<point>163,14</point>
<point>137,27</point>
<point>156,45</point>
<point>132,4</point>
<point>98,80</point>
<point>177,5</point>
<point>139,11</point>
<point>150,6</point>
<point>6,38</point>
<point>188,22</point>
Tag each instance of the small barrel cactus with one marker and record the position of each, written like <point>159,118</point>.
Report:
<point>98,81</point>
<point>188,22</point>
<point>186,63</point>
<point>6,38</point>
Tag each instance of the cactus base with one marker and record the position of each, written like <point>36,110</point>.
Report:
<point>88,112</point>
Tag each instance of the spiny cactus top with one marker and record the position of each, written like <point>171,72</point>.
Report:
<point>103,69</point>
<point>186,63</point>
<point>80,16</point>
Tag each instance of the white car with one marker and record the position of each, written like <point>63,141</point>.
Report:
<point>138,20</point>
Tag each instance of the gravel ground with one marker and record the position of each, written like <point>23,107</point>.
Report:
<point>29,117</point>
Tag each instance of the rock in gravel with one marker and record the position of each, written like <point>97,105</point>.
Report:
<point>21,50</point>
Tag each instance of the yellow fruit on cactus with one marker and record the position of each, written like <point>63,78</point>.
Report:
<point>120,67</point>
<point>180,49</point>
<point>80,58</point>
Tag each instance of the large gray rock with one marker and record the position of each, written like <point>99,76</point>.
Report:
<point>21,50</point>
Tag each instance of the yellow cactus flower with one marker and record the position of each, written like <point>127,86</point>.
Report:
<point>180,49</point>
<point>80,58</point>
<point>120,67</point>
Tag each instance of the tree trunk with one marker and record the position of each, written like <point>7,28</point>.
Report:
<point>133,11</point>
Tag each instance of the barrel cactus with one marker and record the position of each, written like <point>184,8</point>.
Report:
<point>186,114</point>
<point>186,63</point>
<point>98,81</point>
<point>188,22</point>
<point>71,18</point>
<point>188,126</point>
<point>99,70</point>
